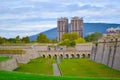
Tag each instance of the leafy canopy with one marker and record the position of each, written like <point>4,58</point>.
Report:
<point>70,39</point>
<point>93,37</point>
<point>80,40</point>
<point>71,36</point>
<point>42,38</point>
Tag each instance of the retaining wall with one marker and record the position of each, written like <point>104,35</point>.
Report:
<point>39,48</point>
<point>34,51</point>
<point>8,65</point>
<point>107,52</point>
<point>24,57</point>
<point>30,53</point>
<point>65,54</point>
<point>83,47</point>
<point>15,46</point>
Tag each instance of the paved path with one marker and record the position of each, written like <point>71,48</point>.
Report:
<point>56,70</point>
<point>58,60</point>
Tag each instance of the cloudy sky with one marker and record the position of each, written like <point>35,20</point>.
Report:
<point>28,17</point>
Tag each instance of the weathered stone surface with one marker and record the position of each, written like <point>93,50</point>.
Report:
<point>34,51</point>
<point>83,47</point>
<point>108,53</point>
<point>8,65</point>
<point>93,52</point>
<point>98,57</point>
<point>116,64</point>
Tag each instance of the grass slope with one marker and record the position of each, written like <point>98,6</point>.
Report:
<point>4,58</point>
<point>86,68</point>
<point>5,75</point>
<point>38,66</point>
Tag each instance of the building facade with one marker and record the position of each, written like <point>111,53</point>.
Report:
<point>77,25</point>
<point>113,31</point>
<point>62,27</point>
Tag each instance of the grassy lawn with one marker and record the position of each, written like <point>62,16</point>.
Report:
<point>4,58</point>
<point>5,75</point>
<point>38,66</point>
<point>86,68</point>
<point>83,69</point>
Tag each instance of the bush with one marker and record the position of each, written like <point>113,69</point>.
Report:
<point>93,37</point>
<point>67,42</point>
<point>72,43</point>
<point>80,40</point>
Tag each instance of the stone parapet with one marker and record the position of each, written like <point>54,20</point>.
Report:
<point>83,47</point>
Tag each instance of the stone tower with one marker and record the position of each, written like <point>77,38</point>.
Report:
<point>77,25</point>
<point>62,27</point>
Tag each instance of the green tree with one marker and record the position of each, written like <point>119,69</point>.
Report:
<point>18,40</point>
<point>93,37</point>
<point>53,41</point>
<point>25,39</point>
<point>71,36</point>
<point>80,40</point>
<point>65,36</point>
<point>72,43</point>
<point>42,38</point>
<point>12,40</point>
<point>2,40</point>
<point>70,39</point>
<point>65,42</point>
<point>74,35</point>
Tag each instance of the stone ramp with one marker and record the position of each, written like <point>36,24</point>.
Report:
<point>56,70</point>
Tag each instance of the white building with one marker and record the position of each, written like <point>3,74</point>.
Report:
<point>113,31</point>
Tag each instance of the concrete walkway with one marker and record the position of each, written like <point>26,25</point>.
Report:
<point>56,70</point>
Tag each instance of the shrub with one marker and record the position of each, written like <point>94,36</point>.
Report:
<point>80,40</point>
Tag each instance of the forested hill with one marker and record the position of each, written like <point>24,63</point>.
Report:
<point>88,28</point>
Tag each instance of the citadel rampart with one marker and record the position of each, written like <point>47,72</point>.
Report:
<point>107,52</point>
<point>80,51</point>
<point>34,51</point>
<point>8,65</point>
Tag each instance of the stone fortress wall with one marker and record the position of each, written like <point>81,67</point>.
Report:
<point>107,52</point>
<point>35,51</point>
<point>79,51</point>
<point>10,65</point>
<point>30,53</point>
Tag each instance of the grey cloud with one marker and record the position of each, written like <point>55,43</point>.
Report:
<point>17,13</point>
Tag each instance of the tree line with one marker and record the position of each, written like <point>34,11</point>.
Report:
<point>41,38</point>
<point>17,39</point>
<point>71,39</point>
<point>68,39</point>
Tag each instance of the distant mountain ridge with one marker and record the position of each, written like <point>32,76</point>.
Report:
<point>88,29</point>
